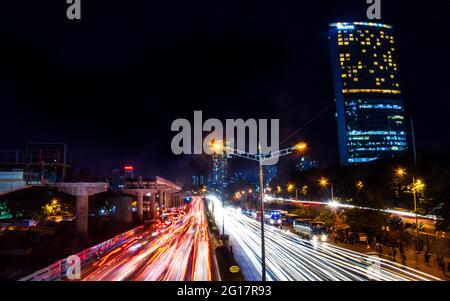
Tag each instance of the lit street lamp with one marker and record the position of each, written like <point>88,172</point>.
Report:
<point>401,172</point>
<point>359,185</point>
<point>260,158</point>
<point>291,187</point>
<point>324,183</point>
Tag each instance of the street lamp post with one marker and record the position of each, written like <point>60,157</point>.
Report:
<point>290,187</point>
<point>332,192</point>
<point>260,158</point>
<point>415,213</point>
<point>223,218</point>
<point>401,172</point>
<point>324,183</point>
<point>261,188</point>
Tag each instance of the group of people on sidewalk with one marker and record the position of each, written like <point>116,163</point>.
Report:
<point>386,247</point>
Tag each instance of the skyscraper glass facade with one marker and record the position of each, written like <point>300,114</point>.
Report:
<point>219,174</point>
<point>369,104</point>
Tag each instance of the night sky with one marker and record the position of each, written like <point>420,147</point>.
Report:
<point>111,84</point>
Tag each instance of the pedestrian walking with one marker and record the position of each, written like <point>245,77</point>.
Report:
<point>441,263</point>
<point>379,248</point>
<point>427,258</point>
<point>403,255</point>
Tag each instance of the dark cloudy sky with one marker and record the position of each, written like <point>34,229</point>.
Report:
<point>111,84</point>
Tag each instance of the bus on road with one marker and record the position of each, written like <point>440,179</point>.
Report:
<point>307,228</point>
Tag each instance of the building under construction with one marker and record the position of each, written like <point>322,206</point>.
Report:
<point>41,163</point>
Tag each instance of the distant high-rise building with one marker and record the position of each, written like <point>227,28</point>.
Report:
<point>117,179</point>
<point>195,181</point>
<point>270,173</point>
<point>306,163</point>
<point>369,104</point>
<point>129,171</point>
<point>219,174</point>
<point>237,177</point>
<point>198,181</point>
<point>119,175</point>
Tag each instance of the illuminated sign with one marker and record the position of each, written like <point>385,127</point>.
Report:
<point>350,26</point>
<point>128,168</point>
<point>345,27</point>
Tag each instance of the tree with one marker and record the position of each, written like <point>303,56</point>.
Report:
<point>443,211</point>
<point>54,208</point>
<point>305,212</point>
<point>327,216</point>
<point>367,221</point>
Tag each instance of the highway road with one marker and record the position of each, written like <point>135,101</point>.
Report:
<point>180,252</point>
<point>289,257</point>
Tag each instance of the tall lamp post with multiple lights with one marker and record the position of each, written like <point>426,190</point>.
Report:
<point>261,159</point>
<point>416,183</point>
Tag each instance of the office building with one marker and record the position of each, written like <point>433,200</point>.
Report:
<point>369,102</point>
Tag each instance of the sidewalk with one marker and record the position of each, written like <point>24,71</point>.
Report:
<point>215,243</point>
<point>247,268</point>
<point>222,257</point>
<point>413,260</point>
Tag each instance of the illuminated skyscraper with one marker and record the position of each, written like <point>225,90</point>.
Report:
<point>219,176</point>
<point>270,173</point>
<point>129,171</point>
<point>369,104</point>
<point>306,163</point>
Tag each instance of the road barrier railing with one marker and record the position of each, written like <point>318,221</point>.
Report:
<point>58,270</point>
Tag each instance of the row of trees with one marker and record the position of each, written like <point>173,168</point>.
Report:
<point>38,204</point>
<point>377,185</point>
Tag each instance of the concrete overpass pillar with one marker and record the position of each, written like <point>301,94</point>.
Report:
<point>81,191</point>
<point>152,205</point>
<point>140,206</point>
<point>161,201</point>
<point>168,200</point>
<point>82,210</point>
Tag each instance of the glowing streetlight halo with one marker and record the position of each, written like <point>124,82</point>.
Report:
<point>400,171</point>
<point>300,146</point>
<point>323,182</point>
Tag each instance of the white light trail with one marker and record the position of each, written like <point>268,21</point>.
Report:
<point>288,257</point>
<point>335,204</point>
